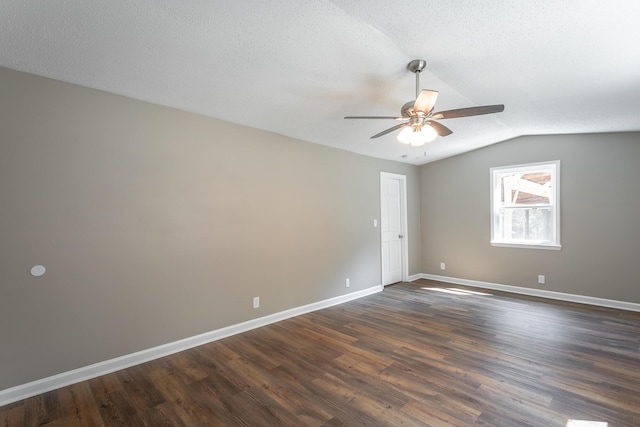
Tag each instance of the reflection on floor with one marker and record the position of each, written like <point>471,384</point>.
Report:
<point>456,291</point>
<point>582,423</point>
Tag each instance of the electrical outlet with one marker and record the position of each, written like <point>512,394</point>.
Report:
<point>541,279</point>
<point>256,302</point>
<point>347,283</point>
<point>442,266</point>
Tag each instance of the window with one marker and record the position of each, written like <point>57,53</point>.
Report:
<point>525,208</point>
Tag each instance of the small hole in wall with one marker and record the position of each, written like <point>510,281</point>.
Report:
<point>38,270</point>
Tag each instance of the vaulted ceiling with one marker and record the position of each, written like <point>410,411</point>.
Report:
<point>298,67</point>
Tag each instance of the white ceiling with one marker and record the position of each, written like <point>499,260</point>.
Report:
<point>296,67</point>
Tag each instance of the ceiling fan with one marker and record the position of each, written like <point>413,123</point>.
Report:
<point>419,124</point>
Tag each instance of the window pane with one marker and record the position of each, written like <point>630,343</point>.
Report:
<point>522,189</point>
<point>527,224</point>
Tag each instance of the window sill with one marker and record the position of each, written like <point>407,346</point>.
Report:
<point>526,245</point>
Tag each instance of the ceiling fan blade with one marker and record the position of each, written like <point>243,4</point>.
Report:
<point>425,101</point>
<point>441,130</point>
<point>375,117</point>
<point>466,112</point>
<point>391,129</point>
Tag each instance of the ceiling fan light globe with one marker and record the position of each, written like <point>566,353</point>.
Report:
<point>428,133</point>
<point>417,138</point>
<point>406,135</point>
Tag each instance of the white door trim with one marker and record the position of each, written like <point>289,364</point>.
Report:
<point>404,246</point>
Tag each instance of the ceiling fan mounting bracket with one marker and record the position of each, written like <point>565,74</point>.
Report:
<point>417,65</point>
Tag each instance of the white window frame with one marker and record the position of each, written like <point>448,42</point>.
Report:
<point>496,173</point>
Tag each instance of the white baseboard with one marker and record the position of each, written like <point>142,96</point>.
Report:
<point>414,277</point>
<point>582,299</point>
<point>63,379</point>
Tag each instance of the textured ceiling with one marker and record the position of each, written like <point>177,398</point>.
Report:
<point>297,67</point>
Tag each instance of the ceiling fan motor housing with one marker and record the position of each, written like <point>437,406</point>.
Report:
<point>407,109</point>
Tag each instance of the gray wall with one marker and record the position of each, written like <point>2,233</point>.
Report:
<point>600,209</point>
<point>156,225</point>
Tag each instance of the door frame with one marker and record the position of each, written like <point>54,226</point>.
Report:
<point>404,246</point>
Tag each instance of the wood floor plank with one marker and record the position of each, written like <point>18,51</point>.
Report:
<point>164,415</point>
<point>140,389</point>
<point>77,404</point>
<point>414,355</point>
<point>116,410</point>
<point>43,409</point>
<point>12,415</point>
<point>105,384</point>
<point>180,404</point>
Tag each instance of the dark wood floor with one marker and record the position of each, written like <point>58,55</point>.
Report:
<point>405,356</point>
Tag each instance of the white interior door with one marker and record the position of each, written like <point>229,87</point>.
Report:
<point>392,227</point>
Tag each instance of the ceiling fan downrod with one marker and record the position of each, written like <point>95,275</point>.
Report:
<point>416,66</point>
